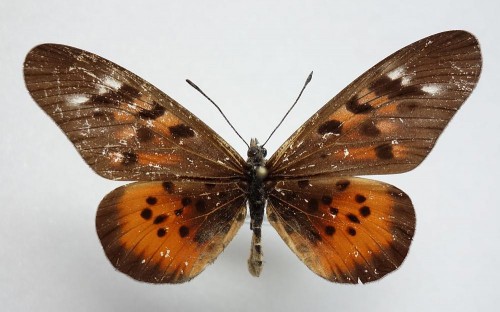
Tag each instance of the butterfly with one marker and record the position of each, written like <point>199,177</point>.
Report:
<point>194,189</point>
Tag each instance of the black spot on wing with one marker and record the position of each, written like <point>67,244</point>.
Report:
<point>352,218</point>
<point>351,231</point>
<point>144,134</point>
<point>369,129</point>
<point>384,151</point>
<point>359,198</point>
<point>128,91</point>
<point>151,200</point>
<point>129,158</point>
<point>154,112</point>
<point>303,183</point>
<point>103,116</point>
<point>106,99</point>
<point>168,186</point>
<point>341,185</point>
<point>159,219</point>
<point>330,127</point>
<point>385,85</point>
<point>146,213</point>
<point>183,231</point>
<point>181,131</point>
<point>355,107</point>
<point>326,199</point>
<point>161,232</point>
<point>409,91</point>
<point>329,230</point>
<point>365,211</point>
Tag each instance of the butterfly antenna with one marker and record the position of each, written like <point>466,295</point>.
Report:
<point>300,94</point>
<point>218,108</point>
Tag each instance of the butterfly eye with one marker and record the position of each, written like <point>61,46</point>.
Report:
<point>264,152</point>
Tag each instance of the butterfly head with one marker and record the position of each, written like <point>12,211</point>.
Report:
<point>256,158</point>
<point>256,151</point>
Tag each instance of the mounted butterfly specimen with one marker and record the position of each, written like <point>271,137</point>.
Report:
<point>194,189</point>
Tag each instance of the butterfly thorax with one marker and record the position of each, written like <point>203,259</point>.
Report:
<point>256,173</point>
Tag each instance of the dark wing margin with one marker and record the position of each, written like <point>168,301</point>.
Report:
<point>124,127</point>
<point>388,119</point>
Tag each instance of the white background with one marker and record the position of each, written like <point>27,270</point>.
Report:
<point>252,58</point>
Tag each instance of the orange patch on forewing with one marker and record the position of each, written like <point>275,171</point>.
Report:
<point>124,117</point>
<point>118,159</point>
<point>144,158</point>
<point>351,120</point>
<point>370,152</point>
<point>347,119</point>
<point>125,133</point>
<point>388,126</point>
<point>167,120</point>
<point>340,114</point>
<point>378,101</point>
<point>389,110</point>
<point>368,95</point>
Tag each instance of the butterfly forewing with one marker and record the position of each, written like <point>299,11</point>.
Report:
<point>168,232</point>
<point>124,128</point>
<point>345,230</point>
<point>388,119</point>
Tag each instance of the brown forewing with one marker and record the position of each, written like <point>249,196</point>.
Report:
<point>388,119</point>
<point>345,230</point>
<point>124,128</point>
<point>168,232</point>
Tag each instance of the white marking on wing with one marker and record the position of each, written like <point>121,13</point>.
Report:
<point>112,83</point>
<point>396,73</point>
<point>432,89</point>
<point>77,99</point>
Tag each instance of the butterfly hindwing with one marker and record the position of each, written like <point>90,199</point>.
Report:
<point>168,232</point>
<point>388,119</point>
<point>345,230</point>
<point>124,128</point>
